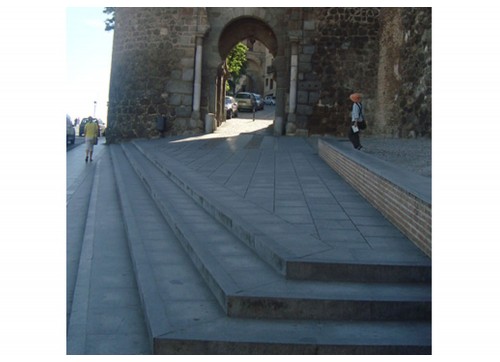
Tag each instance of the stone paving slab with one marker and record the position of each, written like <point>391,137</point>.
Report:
<point>106,313</point>
<point>230,336</point>
<point>242,282</point>
<point>418,185</point>
<point>192,321</point>
<point>183,315</point>
<point>279,240</point>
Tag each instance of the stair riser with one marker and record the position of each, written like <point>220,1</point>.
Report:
<point>204,347</point>
<point>353,310</point>
<point>293,269</point>
<point>242,230</point>
<point>224,335</point>
<point>364,273</point>
<point>248,307</point>
<point>277,308</point>
<point>183,236</point>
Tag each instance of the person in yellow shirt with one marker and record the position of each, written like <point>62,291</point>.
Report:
<point>90,131</point>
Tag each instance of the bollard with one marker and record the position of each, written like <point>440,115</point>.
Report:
<point>160,123</point>
<point>209,123</point>
<point>278,126</point>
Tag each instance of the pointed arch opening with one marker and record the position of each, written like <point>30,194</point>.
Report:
<point>259,75</point>
<point>247,28</point>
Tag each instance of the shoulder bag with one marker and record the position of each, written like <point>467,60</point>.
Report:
<point>362,123</point>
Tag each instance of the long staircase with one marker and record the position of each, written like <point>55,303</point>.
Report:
<point>219,272</point>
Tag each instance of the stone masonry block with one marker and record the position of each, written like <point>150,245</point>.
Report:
<point>304,109</point>
<point>188,74</point>
<point>302,97</point>
<point>399,206</point>
<point>178,86</point>
<point>309,25</point>
<point>309,49</point>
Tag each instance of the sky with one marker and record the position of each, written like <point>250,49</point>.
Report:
<point>88,51</point>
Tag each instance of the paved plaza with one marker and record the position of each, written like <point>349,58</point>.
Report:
<point>172,239</point>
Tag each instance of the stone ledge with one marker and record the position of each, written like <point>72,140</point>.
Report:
<point>404,198</point>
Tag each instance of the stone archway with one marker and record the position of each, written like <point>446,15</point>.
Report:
<point>235,31</point>
<point>245,28</point>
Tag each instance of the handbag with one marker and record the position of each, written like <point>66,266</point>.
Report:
<point>95,140</point>
<point>362,123</point>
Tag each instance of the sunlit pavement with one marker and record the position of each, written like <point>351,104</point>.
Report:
<point>245,123</point>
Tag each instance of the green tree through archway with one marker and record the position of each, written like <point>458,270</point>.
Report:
<point>236,63</point>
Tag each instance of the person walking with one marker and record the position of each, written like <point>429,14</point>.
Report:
<point>91,131</point>
<point>357,120</point>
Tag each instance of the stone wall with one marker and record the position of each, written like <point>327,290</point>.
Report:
<point>384,53</point>
<point>389,72</point>
<point>404,79</point>
<point>344,61</point>
<point>414,98</point>
<point>152,71</point>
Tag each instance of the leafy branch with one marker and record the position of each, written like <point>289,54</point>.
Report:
<point>110,22</point>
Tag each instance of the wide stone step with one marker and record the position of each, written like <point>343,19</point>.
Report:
<point>242,336</point>
<point>290,251</point>
<point>184,316</point>
<point>245,286</point>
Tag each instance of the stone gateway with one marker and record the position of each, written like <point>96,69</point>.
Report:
<point>170,63</point>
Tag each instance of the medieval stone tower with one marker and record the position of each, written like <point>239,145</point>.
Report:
<point>171,61</point>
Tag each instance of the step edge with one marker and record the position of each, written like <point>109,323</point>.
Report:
<point>222,290</point>
<point>272,252</point>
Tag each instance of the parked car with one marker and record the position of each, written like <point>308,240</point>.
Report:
<point>246,101</point>
<point>81,130</point>
<point>259,101</point>
<point>231,107</point>
<point>102,126</point>
<point>270,100</point>
<point>70,131</point>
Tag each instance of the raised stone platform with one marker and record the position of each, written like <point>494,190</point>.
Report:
<point>217,273</point>
<point>401,196</point>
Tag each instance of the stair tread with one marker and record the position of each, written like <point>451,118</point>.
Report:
<point>190,312</point>
<point>302,332</point>
<point>241,278</point>
<point>238,261</point>
<point>280,238</point>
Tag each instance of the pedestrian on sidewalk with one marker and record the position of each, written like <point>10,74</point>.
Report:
<point>357,120</point>
<point>91,130</point>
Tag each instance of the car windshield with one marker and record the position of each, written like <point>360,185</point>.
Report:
<point>244,96</point>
